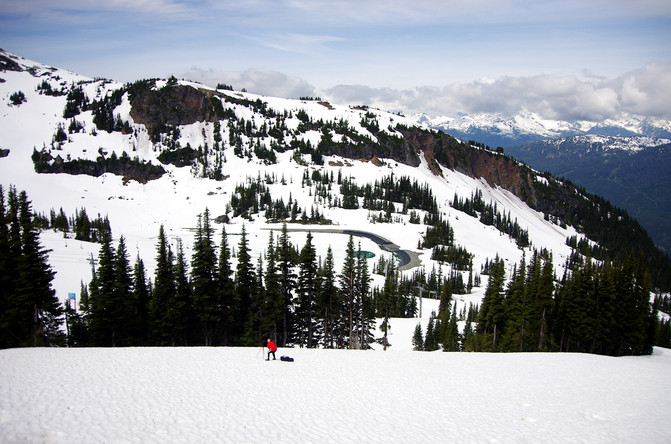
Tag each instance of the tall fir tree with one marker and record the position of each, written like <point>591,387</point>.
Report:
<point>228,299</point>
<point>365,304</point>
<point>254,332</point>
<point>273,298</point>
<point>516,307</point>
<point>543,305</point>
<point>307,294</point>
<point>451,341</point>
<point>203,275</point>
<point>329,302</point>
<point>163,294</point>
<point>32,315</point>
<point>183,316</point>
<point>384,304</point>
<point>245,282</point>
<point>491,318</point>
<point>347,281</point>
<point>103,302</point>
<point>124,295</point>
<point>141,299</point>
<point>286,262</point>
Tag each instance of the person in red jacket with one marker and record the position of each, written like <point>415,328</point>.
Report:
<point>272,348</point>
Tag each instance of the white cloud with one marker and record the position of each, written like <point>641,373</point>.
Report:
<point>258,81</point>
<point>646,91</point>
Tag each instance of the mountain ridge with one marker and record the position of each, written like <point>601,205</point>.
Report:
<point>203,125</point>
<point>256,166</point>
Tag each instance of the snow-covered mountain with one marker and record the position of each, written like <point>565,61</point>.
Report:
<point>160,152</point>
<point>233,150</point>
<point>497,130</point>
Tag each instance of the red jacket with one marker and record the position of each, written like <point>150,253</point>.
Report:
<point>271,346</point>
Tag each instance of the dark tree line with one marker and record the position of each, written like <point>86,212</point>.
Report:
<point>288,295</point>
<point>30,314</point>
<point>83,227</point>
<point>602,309</point>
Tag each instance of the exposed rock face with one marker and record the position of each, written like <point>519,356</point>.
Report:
<point>443,149</point>
<point>172,105</point>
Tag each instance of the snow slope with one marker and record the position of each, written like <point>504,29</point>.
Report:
<point>139,395</point>
<point>136,210</point>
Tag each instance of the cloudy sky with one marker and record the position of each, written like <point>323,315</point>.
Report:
<point>568,59</point>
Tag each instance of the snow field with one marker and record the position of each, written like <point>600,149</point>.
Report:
<point>331,396</point>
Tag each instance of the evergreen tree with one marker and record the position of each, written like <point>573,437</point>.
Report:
<point>255,323</point>
<point>347,280</point>
<point>163,294</point>
<point>307,294</point>
<point>384,305</point>
<point>329,301</point>
<point>468,338</point>
<point>365,308</point>
<point>286,260</point>
<point>273,298</point>
<point>104,314</point>
<point>142,296</point>
<point>182,316</point>
<point>543,304</point>
<point>31,314</point>
<point>6,281</point>
<point>245,281</point>
<point>451,332</point>
<point>576,311</point>
<point>203,275</point>
<point>230,304</point>
<point>491,319</point>
<point>418,338</point>
<point>516,308</point>
<point>125,306</point>
<point>430,340</point>
<point>445,311</point>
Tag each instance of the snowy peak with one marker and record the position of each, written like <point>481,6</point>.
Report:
<point>497,130</point>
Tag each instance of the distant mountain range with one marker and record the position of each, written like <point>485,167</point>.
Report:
<point>496,130</point>
<point>626,160</point>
